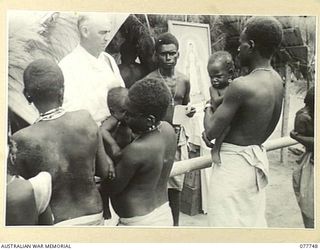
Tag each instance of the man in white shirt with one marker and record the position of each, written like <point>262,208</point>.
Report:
<point>89,72</point>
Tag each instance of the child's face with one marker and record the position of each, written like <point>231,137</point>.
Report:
<point>118,111</point>
<point>134,118</point>
<point>219,74</point>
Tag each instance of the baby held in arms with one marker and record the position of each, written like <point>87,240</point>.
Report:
<point>221,72</point>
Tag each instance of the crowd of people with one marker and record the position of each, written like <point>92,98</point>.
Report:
<point>101,153</point>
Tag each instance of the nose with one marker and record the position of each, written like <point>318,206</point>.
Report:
<point>214,79</point>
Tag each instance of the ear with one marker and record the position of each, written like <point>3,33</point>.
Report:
<point>231,71</point>
<point>84,31</point>
<point>151,121</point>
<point>178,55</point>
<point>252,44</point>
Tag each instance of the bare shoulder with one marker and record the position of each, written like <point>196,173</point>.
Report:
<point>82,114</point>
<point>240,85</point>
<point>136,151</point>
<point>20,190</point>
<point>81,117</point>
<point>21,206</point>
<point>167,128</point>
<point>25,135</point>
<point>182,77</point>
<point>133,154</point>
<point>153,74</point>
<point>240,81</point>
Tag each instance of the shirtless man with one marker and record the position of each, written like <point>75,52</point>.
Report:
<point>303,175</point>
<point>251,107</point>
<point>166,55</point>
<point>26,200</point>
<point>68,145</point>
<point>130,70</point>
<point>139,191</point>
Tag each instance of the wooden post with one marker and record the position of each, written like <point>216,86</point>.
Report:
<point>285,114</point>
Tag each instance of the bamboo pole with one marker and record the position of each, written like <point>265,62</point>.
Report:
<point>182,167</point>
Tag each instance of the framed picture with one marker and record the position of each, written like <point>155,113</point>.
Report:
<point>195,49</point>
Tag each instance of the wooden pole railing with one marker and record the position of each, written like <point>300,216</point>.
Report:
<point>182,167</point>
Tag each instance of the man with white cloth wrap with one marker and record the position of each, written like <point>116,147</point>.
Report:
<point>251,107</point>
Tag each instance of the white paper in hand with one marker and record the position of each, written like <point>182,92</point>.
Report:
<point>179,115</point>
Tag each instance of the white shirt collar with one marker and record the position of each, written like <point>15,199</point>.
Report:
<point>90,58</point>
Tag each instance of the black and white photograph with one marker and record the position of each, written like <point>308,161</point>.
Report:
<point>160,120</point>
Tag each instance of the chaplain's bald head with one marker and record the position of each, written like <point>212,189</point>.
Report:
<point>91,19</point>
<point>95,32</point>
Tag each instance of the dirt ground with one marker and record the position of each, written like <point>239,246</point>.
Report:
<point>282,210</point>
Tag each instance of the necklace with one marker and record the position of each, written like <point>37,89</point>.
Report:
<point>52,114</point>
<point>170,87</point>
<point>150,130</point>
<point>261,69</point>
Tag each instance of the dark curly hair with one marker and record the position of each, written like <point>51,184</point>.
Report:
<point>43,80</point>
<point>166,38</point>
<point>151,97</point>
<point>266,32</point>
<point>224,57</point>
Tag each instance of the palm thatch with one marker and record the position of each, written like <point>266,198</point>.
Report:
<point>49,35</point>
<point>22,42</point>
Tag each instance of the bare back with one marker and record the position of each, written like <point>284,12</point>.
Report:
<point>65,147</point>
<point>260,96</point>
<point>131,73</point>
<point>143,173</point>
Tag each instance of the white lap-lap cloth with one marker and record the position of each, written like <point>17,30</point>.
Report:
<point>87,80</point>
<point>161,216</point>
<point>176,182</point>
<point>236,196</point>
<point>87,220</point>
<point>303,185</point>
<point>42,188</point>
